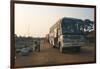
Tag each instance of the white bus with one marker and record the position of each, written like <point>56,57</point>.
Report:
<point>67,33</point>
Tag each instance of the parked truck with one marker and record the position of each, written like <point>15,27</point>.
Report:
<point>67,33</point>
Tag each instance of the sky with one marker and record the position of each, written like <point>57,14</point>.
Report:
<point>36,20</point>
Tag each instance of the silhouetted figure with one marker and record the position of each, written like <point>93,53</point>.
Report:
<point>37,46</point>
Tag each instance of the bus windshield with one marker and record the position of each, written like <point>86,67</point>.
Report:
<point>72,26</point>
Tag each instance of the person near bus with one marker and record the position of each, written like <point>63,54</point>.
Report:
<point>37,45</point>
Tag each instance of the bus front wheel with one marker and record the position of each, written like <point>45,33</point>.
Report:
<point>61,49</point>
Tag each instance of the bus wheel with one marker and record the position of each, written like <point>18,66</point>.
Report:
<point>54,46</point>
<point>61,49</point>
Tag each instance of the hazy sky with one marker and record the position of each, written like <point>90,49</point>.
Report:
<point>36,20</point>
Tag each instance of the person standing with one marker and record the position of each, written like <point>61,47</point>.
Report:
<point>37,45</point>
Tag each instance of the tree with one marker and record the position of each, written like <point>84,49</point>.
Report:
<point>88,25</point>
<point>89,30</point>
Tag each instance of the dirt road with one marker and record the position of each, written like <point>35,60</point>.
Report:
<point>50,56</point>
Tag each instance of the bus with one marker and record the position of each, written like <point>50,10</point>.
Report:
<point>67,33</point>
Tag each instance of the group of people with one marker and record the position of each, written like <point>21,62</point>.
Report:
<point>26,50</point>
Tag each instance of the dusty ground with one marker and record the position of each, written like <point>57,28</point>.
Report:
<point>50,56</point>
